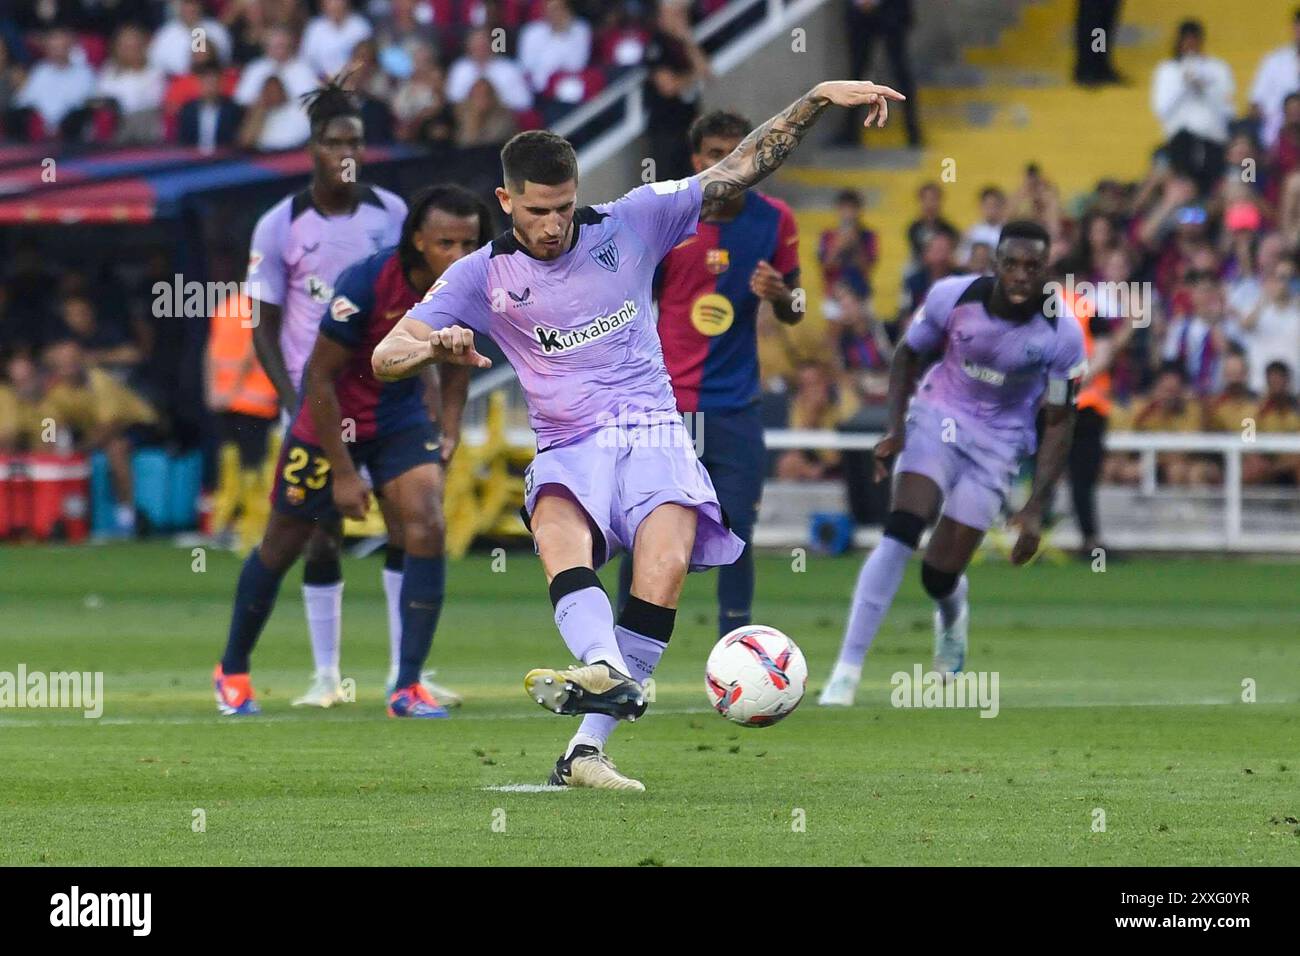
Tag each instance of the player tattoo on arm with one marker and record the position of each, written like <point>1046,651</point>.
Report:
<point>767,147</point>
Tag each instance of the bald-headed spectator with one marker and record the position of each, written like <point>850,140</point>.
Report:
<point>134,87</point>
<point>58,87</point>
<point>505,75</point>
<point>189,28</point>
<point>559,42</point>
<point>281,60</point>
<point>330,38</point>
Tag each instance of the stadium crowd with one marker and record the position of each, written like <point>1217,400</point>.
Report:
<point>1211,232</point>
<point>228,73</point>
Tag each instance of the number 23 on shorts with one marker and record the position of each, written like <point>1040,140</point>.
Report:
<point>298,459</point>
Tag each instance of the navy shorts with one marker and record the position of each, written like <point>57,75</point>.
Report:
<point>302,476</point>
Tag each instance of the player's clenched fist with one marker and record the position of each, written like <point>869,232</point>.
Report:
<point>456,345</point>
<point>767,283</point>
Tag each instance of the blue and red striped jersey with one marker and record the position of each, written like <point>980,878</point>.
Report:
<point>707,313</point>
<point>369,298</point>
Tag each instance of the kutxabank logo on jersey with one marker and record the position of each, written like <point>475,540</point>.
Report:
<point>558,341</point>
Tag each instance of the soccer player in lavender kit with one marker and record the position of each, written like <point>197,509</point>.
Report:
<point>566,294</point>
<point>1000,346</point>
<point>300,246</point>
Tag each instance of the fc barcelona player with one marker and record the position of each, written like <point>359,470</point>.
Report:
<point>709,287</point>
<point>349,419</point>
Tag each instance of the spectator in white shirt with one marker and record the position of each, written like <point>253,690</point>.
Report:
<point>329,39</point>
<point>274,121</point>
<point>177,39</point>
<point>502,72</point>
<point>560,42</point>
<point>134,87</point>
<point>1191,95</point>
<point>280,61</point>
<point>57,88</point>
<point>1277,77</point>
<point>1271,330</point>
<point>993,216</point>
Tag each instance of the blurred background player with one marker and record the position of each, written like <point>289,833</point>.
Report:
<point>299,248</point>
<point>709,290</point>
<point>998,346</point>
<point>245,405</point>
<point>318,476</point>
<point>615,467</point>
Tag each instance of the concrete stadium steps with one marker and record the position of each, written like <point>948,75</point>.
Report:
<point>1021,109</point>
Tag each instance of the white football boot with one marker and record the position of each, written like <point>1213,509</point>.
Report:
<point>326,690</point>
<point>589,767</point>
<point>842,686</point>
<point>950,643</point>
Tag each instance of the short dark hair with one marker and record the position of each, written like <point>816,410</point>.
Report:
<point>717,123</point>
<point>328,103</point>
<point>988,191</point>
<point>1024,229</point>
<point>1278,366</point>
<point>449,198</point>
<point>539,156</point>
<point>846,196</point>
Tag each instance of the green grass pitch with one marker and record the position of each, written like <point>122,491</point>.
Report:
<point>1120,691</point>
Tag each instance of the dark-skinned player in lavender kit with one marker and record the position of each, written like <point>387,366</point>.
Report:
<point>996,349</point>
<point>615,467</point>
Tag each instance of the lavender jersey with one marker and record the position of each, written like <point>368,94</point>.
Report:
<point>298,253</point>
<point>992,373</point>
<point>580,330</point>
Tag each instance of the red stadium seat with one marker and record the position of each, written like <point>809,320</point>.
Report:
<point>574,86</point>
<point>96,48</point>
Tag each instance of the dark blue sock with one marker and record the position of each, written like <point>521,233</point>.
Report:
<point>736,592</point>
<point>423,580</point>
<point>254,598</point>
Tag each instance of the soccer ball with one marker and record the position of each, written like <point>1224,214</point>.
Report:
<point>755,676</point>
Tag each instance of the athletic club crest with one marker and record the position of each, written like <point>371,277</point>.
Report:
<point>717,261</point>
<point>606,255</point>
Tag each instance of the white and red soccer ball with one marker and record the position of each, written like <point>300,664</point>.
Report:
<point>755,676</point>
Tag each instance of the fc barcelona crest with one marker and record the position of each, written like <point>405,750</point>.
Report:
<point>717,261</point>
<point>606,255</point>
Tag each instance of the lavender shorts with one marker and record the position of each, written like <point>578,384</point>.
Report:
<point>618,475</point>
<point>973,471</point>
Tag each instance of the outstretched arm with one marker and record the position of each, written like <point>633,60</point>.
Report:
<point>767,147</point>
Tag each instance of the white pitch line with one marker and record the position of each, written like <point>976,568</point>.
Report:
<point>20,722</point>
<point>527,788</point>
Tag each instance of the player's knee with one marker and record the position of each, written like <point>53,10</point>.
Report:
<point>323,565</point>
<point>905,528</point>
<point>938,584</point>
<point>424,536</point>
<point>658,578</point>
